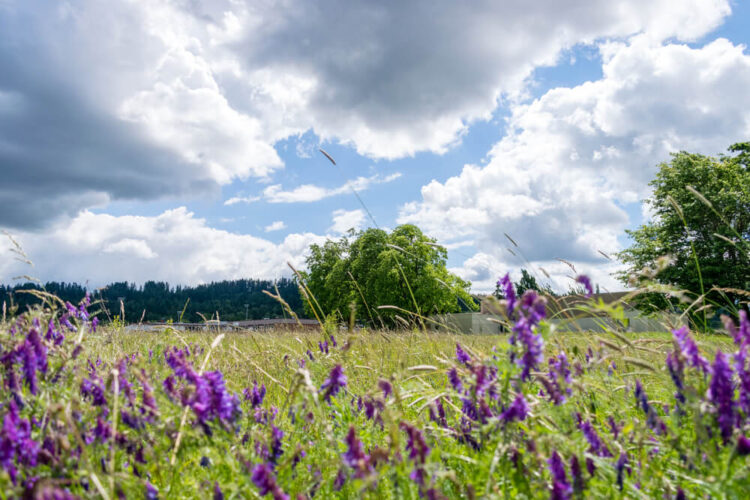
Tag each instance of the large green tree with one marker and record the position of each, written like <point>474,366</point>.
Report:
<point>701,222</point>
<point>374,268</point>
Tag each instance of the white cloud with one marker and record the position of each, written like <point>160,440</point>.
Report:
<point>241,199</point>
<point>344,220</point>
<point>275,226</point>
<point>311,192</point>
<point>557,180</point>
<point>157,98</point>
<point>174,246</point>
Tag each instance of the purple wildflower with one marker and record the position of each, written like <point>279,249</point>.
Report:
<point>461,355</point>
<point>218,494</point>
<point>256,395</point>
<point>355,456</point>
<point>335,381</point>
<point>622,462</point>
<point>561,489</point>
<point>517,410</point>
<point>53,493</point>
<point>386,387</point>
<point>455,380</point>
<point>265,480</point>
<point>151,492</point>
<point>416,445</point>
<point>675,368</point>
<point>743,446</point>
<point>323,346</point>
<point>689,349</point>
<point>277,435</point>
<point>721,393</point>
<point>508,292</point>
<point>586,282</point>
<point>596,446</point>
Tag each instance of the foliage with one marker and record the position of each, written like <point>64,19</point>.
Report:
<point>157,301</point>
<point>527,282</point>
<point>403,269</point>
<point>93,413</point>
<point>701,221</point>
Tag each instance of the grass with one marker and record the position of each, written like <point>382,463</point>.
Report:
<point>365,442</point>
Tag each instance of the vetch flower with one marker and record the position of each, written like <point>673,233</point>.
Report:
<point>586,282</point>
<point>508,292</point>
<point>517,410</point>
<point>561,489</point>
<point>355,456</point>
<point>721,393</point>
<point>689,349</point>
<point>455,380</point>
<point>265,480</point>
<point>333,384</point>
<point>596,446</point>
<point>461,355</point>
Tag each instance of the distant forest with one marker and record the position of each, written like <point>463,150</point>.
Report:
<point>232,300</point>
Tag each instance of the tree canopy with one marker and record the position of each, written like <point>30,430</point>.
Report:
<point>158,301</point>
<point>371,268</point>
<point>701,222</point>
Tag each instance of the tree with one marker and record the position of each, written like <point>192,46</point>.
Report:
<point>374,268</point>
<point>527,282</point>
<point>701,222</point>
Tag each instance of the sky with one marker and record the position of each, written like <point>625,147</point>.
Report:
<point>179,140</point>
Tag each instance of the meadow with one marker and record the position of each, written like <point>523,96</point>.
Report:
<point>103,412</point>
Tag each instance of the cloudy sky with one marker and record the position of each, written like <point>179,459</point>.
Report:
<point>178,140</point>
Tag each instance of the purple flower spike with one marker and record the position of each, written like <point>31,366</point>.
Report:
<point>256,395</point>
<point>386,387</point>
<point>622,462</point>
<point>416,445</point>
<point>461,355</point>
<point>335,381</point>
<point>516,411</point>
<point>218,494</point>
<point>596,446</point>
<point>355,456</point>
<point>689,349</point>
<point>264,479</point>
<point>721,394</point>
<point>561,489</point>
<point>455,380</point>
<point>510,294</point>
<point>586,282</point>
<point>743,446</point>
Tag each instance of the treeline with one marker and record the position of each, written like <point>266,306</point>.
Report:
<point>231,300</point>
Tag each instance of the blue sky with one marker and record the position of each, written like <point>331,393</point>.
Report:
<point>180,141</point>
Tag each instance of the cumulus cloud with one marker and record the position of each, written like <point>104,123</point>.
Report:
<point>557,181</point>
<point>275,226</point>
<point>311,192</point>
<point>344,220</point>
<point>142,100</point>
<point>174,246</point>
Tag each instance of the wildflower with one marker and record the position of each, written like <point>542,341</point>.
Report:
<point>338,483</point>
<point>455,380</point>
<point>310,355</point>
<point>586,282</point>
<point>437,413</point>
<point>689,349</point>
<point>53,493</point>
<point>264,479</point>
<point>16,445</point>
<point>741,335</point>
<point>721,393</point>
<point>355,456</point>
<point>335,381</point>
<point>743,446</point>
<point>151,492</point>
<point>559,379</point>
<point>386,387</point>
<point>508,292</point>
<point>323,346</point>
<point>461,355</point>
<point>620,469</point>
<point>276,444</point>
<point>561,489</point>
<point>675,368</point>
<point>255,396</point>
<point>218,494</point>
<point>517,410</point>
<point>416,445</point>
<point>596,446</point>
